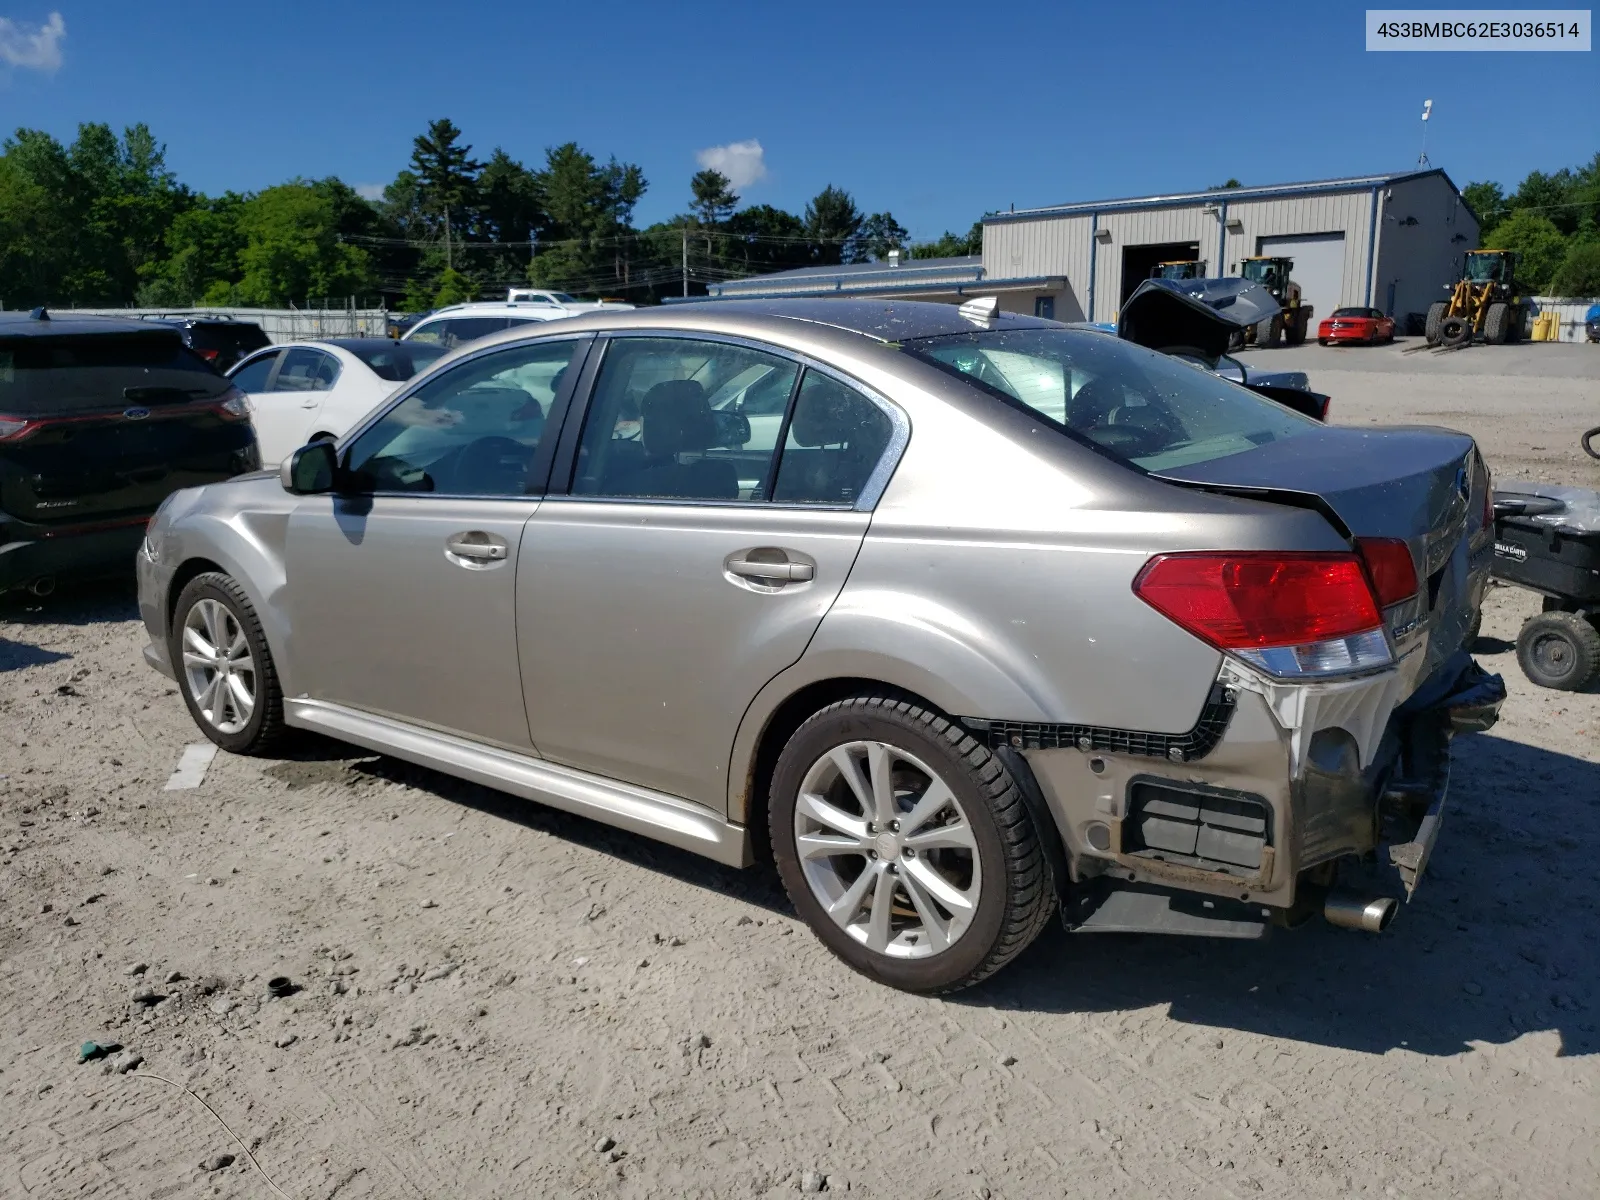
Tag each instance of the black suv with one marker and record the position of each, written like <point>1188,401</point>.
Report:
<point>221,341</point>
<point>101,420</point>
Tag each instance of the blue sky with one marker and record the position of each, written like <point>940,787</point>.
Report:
<point>935,111</point>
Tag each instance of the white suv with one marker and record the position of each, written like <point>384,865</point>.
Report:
<point>458,324</point>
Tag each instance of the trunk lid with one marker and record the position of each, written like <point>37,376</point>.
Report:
<point>1426,487</point>
<point>102,426</point>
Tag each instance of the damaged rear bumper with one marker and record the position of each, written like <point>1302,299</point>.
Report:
<point>1250,827</point>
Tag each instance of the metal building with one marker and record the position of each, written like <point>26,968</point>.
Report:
<point>1386,241</point>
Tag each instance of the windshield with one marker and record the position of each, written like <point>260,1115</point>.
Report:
<point>1482,268</point>
<point>1262,271</point>
<point>1138,406</point>
<point>398,362</point>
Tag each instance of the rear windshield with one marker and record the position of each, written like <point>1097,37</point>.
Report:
<point>41,376</point>
<point>237,337</point>
<point>1352,312</point>
<point>398,363</point>
<point>1140,407</point>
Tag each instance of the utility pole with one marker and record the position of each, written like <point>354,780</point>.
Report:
<point>686,259</point>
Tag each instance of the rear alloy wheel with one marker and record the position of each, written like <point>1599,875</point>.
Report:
<point>224,668</point>
<point>906,846</point>
<point>1559,650</point>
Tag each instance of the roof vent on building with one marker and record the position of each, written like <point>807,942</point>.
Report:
<point>894,258</point>
<point>980,309</point>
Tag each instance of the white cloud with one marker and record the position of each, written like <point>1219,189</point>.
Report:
<point>370,191</point>
<point>743,163</point>
<point>37,48</point>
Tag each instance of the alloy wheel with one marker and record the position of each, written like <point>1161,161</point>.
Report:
<point>887,850</point>
<point>218,667</point>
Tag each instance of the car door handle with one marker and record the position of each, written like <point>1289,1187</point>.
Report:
<point>479,547</point>
<point>771,572</point>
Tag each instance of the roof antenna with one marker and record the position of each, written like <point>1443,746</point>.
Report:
<point>1427,110</point>
<point>39,314</point>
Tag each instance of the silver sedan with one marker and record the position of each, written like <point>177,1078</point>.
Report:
<point>970,618</point>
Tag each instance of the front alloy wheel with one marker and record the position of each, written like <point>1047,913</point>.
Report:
<point>218,667</point>
<point>887,850</point>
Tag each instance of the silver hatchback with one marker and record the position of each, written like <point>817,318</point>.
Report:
<point>967,617</point>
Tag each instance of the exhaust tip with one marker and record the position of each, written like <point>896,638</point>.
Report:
<point>1368,914</point>
<point>43,585</point>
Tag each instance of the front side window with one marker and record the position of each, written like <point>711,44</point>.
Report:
<point>252,377</point>
<point>683,419</point>
<point>451,332</point>
<point>1141,407</point>
<point>472,431</point>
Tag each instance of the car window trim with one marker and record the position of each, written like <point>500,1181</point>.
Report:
<point>566,464</point>
<point>538,479</point>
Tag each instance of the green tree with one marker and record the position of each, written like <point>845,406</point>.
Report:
<point>1487,200</point>
<point>878,234</point>
<point>951,245</point>
<point>1579,272</point>
<point>762,238</point>
<point>202,255</point>
<point>1550,196</point>
<point>454,288</point>
<point>1536,238</point>
<point>447,177</point>
<point>713,197</point>
<point>831,220</point>
<point>511,213</point>
<point>1228,183</point>
<point>588,243</point>
<point>292,252</point>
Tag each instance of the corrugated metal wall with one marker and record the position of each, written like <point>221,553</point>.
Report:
<point>1050,245</point>
<point>1420,260</point>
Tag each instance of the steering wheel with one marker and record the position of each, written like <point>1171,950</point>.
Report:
<point>491,465</point>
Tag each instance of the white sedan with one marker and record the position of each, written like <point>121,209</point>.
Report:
<point>308,390</point>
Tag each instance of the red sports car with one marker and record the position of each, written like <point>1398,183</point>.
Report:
<point>1365,325</point>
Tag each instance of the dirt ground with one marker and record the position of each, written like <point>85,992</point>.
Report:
<point>497,1000</point>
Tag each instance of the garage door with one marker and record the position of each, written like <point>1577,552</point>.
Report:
<point>1318,268</point>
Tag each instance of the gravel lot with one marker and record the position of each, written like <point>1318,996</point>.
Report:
<point>497,1000</point>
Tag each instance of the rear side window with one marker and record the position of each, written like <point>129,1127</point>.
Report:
<point>64,373</point>
<point>306,371</point>
<point>252,377</point>
<point>836,439</point>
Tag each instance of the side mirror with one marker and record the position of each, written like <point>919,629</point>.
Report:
<point>310,470</point>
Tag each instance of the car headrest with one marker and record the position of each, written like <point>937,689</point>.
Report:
<point>1094,403</point>
<point>675,418</point>
<point>825,415</point>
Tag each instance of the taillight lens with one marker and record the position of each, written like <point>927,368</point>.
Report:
<point>1289,614</point>
<point>234,405</point>
<point>1393,571</point>
<point>209,355</point>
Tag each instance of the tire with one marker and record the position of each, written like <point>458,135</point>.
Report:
<point>1295,331</point>
<point>1497,324</point>
<point>1268,332</point>
<point>219,612</point>
<point>1559,650</point>
<point>1587,441</point>
<point>1454,331</point>
<point>1436,312</point>
<point>989,858</point>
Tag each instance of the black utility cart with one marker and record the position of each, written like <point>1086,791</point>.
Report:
<point>1547,539</point>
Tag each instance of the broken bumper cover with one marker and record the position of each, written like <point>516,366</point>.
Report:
<point>1297,780</point>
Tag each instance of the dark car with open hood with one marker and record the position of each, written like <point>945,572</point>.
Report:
<point>100,421</point>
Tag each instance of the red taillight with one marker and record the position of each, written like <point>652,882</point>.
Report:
<point>1256,599</point>
<point>1393,572</point>
<point>208,355</point>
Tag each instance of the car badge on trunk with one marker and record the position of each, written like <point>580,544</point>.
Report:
<point>136,414</point>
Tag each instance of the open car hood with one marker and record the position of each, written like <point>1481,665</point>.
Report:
<point>1201,316</point>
